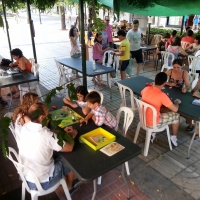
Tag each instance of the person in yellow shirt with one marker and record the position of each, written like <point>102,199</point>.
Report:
<point>124,53</point>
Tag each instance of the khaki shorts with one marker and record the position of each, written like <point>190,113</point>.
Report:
<point>168,118</point>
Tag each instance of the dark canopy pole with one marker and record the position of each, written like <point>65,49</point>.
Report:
<point>82,31</point>
<point>182,24</point>
<point>7,27</point>
<point>32,30</point>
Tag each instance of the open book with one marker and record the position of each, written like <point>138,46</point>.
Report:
<point>112,148</point>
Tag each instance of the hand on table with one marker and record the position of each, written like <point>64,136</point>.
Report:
<point>195,94</point>
<point>71,131</point>
<point>83,121</point>
<point>177,101</point>
<point>184,90</point>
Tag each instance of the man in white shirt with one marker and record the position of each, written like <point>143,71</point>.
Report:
<point>36,146</point>
<point>134,36</point>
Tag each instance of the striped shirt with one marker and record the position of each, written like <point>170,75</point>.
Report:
<point>103,116</point>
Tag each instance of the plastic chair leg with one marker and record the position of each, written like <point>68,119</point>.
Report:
<point>169,139</point>
<point>66,190</point>
<point>34,195</point>
<point>147,141</point>
<point>99,180</point>
<point>127,168</point>
<point>23,192</point>
<point>136,133</point>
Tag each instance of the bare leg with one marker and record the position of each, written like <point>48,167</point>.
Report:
<point>123,75</point>
<point>69,179</point>
<point>139,66</point>
<point>175,129</point>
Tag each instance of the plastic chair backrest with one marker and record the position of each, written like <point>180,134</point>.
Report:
<point>184,45</point>
<point>142,109</point>
<point>193,78</point>
<point>100,93</point>
<point>128,118</point>
<point>35,67</point>
<point>106,58</point>
<point>167,59</point>
<point>192,61</point>
<point>123,91</point>
<point>11,126</point>
<point>13,156</point>
<point>62,73</point>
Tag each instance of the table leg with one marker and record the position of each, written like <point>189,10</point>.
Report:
<point>126,180</point>
<point>95,189</point>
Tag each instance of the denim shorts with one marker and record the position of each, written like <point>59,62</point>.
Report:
<point>60,171</point>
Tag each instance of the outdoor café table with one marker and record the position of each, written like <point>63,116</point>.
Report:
<point>76,64</point>
<point>88,164</point>
<point>16,79</point>
<point>186,108</point>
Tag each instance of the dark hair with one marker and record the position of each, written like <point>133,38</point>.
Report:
<point>71,31</point>
<point>188,28</point>
<point>177,61</point>
<point>93,97</point>
<point>96,36</point>
<point>121,32</point>
<point>190,33</point>
<point>82,90</point>
<point>17,52</point>
<point>174,32</point>
<point>135,21</point>
<point>176,41</point>
<point>198,38</point>
<point>160,78</point>
<point>166,35</point>
<point>36,110</point>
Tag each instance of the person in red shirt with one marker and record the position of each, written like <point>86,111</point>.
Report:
<point>189,39</point>
<point>154,96</point>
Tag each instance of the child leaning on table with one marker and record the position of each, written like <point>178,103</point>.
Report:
<point>99,114</point>
<point>81,92</point>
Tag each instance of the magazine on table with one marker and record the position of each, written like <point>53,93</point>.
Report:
<point>112,148</point>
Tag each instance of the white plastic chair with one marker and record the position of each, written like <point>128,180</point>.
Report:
<point>123,93</point>
<point>184,45</point>
<point>128,118</point>
<point>142,109</point>
<point>167,60</point>
<point>193,78</point>
<point>192,61</point>
<point>65,77</point>
<point>13,156</point>
<point>12,127</point>
<point>32,86</point>
<point>100,93</point>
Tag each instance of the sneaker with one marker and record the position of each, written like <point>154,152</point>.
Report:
<point>3,103</point>
<point>153,136</point>
<point>174,140</point>
<point>190,128</point>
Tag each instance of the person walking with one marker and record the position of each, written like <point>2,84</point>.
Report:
<point>134,36</point>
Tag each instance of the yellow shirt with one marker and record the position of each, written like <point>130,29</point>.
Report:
<point>125,46</point>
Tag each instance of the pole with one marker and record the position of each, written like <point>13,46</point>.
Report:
<point>81,11</point>
<point>32,30</point>
<point>182,24</point>
<point>7,27</point>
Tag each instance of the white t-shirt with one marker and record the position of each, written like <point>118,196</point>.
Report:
<point>36,147</point>
<point>198,61</point>
<point>134,38</point>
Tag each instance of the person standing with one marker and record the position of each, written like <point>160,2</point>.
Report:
<point>195,22</point>
<point>89,33</point>
<point>134,36</point>
<point>124,53</point>
<point>108,30</point>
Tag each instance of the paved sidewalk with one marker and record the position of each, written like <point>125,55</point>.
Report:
<point>164,174</point>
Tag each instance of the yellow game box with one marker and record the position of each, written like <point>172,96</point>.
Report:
<point>97,138</point>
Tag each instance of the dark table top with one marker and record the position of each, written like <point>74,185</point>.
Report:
<point>88,164</point>
<point>186,108</point>
<point>76,64</point>
<point>16,79</point>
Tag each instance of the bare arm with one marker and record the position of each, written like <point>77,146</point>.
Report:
<point>174,107</point>
<point>69,102</point>
<point>68,147</point>
<point>183,51</point>
<point>87,118</point>
<point>189,47</point>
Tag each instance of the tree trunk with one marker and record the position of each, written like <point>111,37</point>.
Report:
<point>62,14</point>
